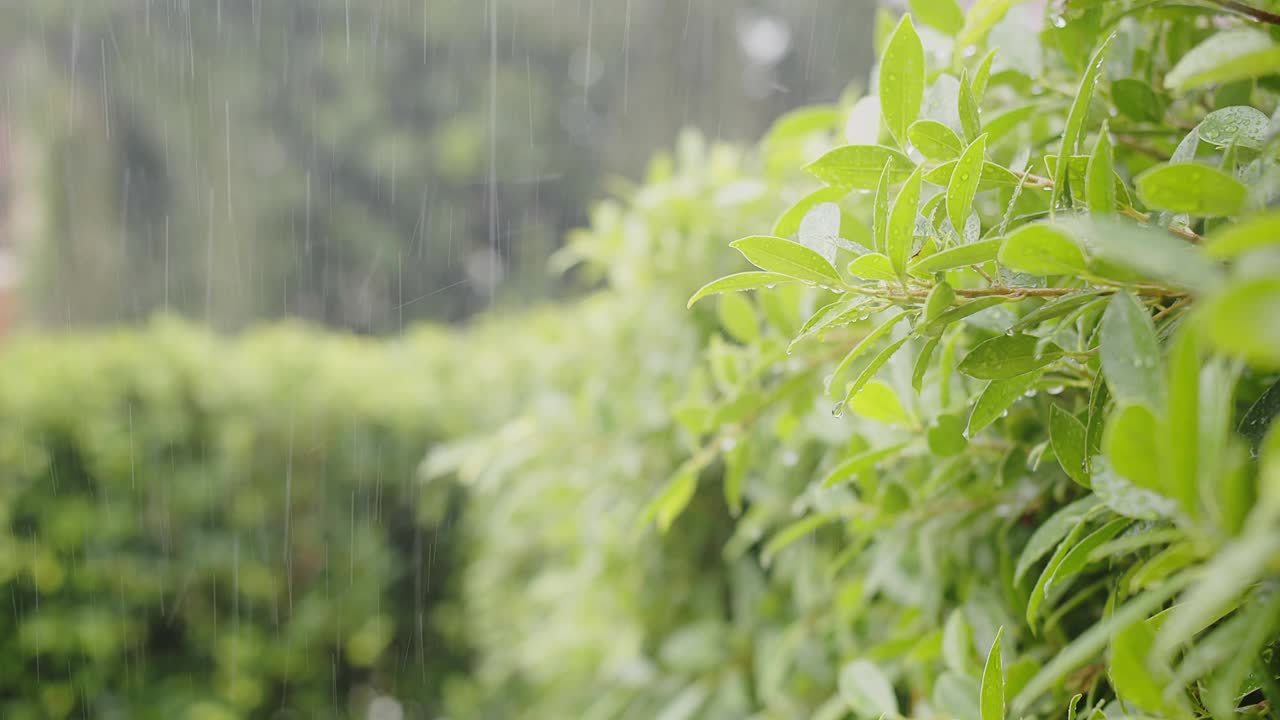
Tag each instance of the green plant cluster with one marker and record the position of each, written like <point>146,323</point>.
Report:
<point>988,439</point>
<point>209,529</point>
<point>983,435</point>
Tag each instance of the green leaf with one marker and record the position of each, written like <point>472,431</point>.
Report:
<point>1100,183</point>
<point>880,213</point>
<point>802,122</point>
<point>1125,498</point>
<point>1190,188</point>
<point>867,690</point>
<point>778,255</point>
<point>997,397</point>
<point>961,256</point>
<point>1131,445</point>
<point>993,682</point>
<point>941,297</point>
<point>879,402</point>
<point>960,312</point>
<point>1253,233</point>
<point>872,368</point>
<point>922,362</point>
<point>1050,569</point>
<point>982,16</point>
<point>968,109</point>
<point>1153,254</point>
<point>1131,671</point>
<point>1259,417</point>
<point>1222,581</point>
<point>1055,308</point>
<point>901,81</point>
<point>1131,353</point>
<point>1236,125</point>
<point>1243,321</point>
<point>789,223</point>
<point>674,498</point>
<point>1226,57</point>
<point>1076,118</point>
<point>958,696</point>
<point>982,76</point>
<point>964,182</point>
<point>957,641</point>
<point>739,281</point>
<point>790,534</point>
<point>902,224</point>
<point>946,436</point>
<point>1067,435</point>
<point>860,463</point>
<point>872,266</point>
<point>934,140</point>
<point>993,176</point>
<point>858,167</point>
<point>1042,249</point>
<point>1088,644</point>
<point>1080,555</point>
<point>1180,434</point>
<point>1006,356</point>
<point>738,318</point>
<point>945,16</point>
<point>1052,531</point>
<point>1136,100</point>
<point>869,340</point>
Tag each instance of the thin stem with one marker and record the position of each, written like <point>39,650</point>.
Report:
<point>1248,11</point>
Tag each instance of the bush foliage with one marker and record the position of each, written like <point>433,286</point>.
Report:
<point>208,529</point>
<point>984,434</point>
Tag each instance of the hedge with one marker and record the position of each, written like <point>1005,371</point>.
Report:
<point>198,527</point>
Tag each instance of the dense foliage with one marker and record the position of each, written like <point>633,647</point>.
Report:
<point>205,529</point>
<point>1018,469</point>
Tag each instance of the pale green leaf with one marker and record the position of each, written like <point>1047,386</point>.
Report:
<point>1100,183</point>
<point>993,682</point>
<point>1225,57</point>
<point>860,166</point>
<point>993,176</point>
<point>902,224</point>
<point>740,281</point>
<point>934,140</point>
<point>872,266</point>
<point>976,253</point>
<point>945,16</point>
<point>1042,249</point>
<point>901,81</point>
<point>788,223</point>
<point>1191,188</point>
<point>1239,125</point>
<point>1253,233</point>
<point>964,182</point>
<point>867,690</point>
<point>1131,353</point>
<point>1076,118</point>
<point>778,255</point>
<point>1245,321</point>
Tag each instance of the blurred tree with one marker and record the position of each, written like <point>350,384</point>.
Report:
<point>363,164</point>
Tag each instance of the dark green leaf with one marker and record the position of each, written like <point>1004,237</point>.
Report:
<point>997,397</point>
<point>1076,118</point>
<point>1067,434</point>
<point>1136,100</point>
<point>1052,531</point>
<point>1006,356</point>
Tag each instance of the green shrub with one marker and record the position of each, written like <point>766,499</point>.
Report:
<point>206,528</point>
<point>1046,427</point>
<point>1046,379</point>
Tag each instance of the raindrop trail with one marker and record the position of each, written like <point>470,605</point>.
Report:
<point>493,146</point>
<point>437,291</point>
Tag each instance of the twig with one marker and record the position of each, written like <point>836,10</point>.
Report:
<point>1248,11</point>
